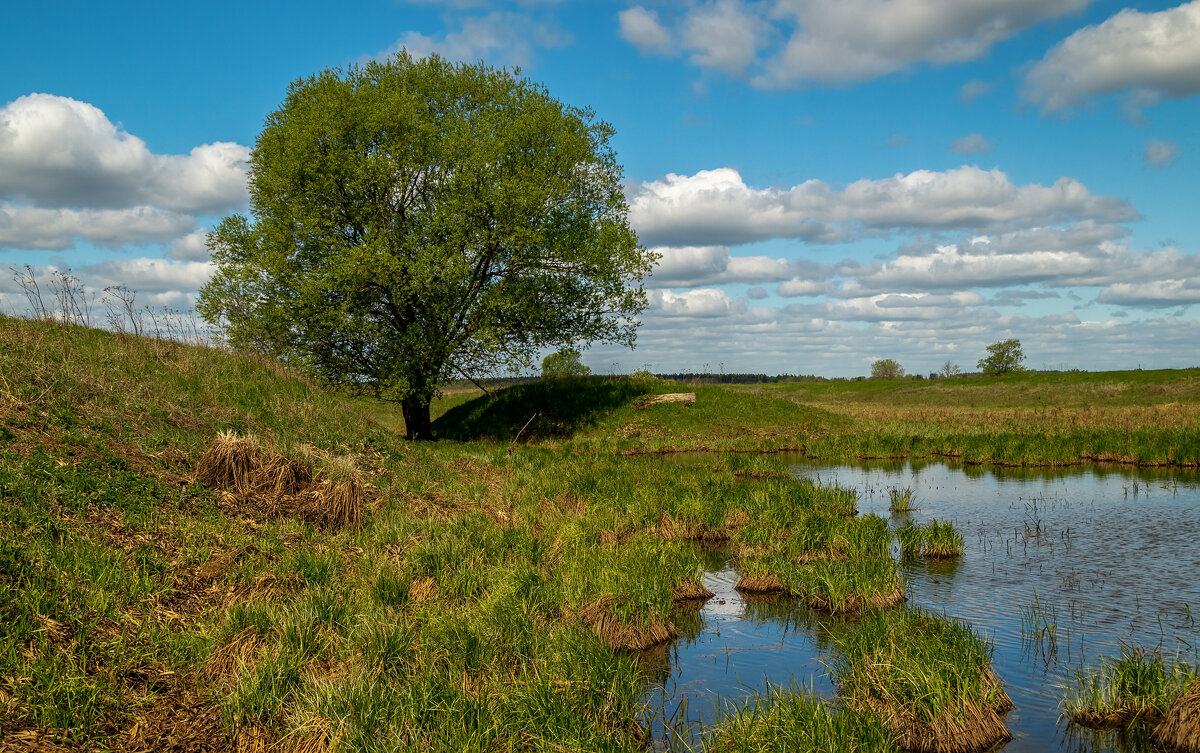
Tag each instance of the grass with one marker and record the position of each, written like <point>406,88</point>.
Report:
<point>1136,686</point>
<point>901,500</point>
<point>928,677</point>
<point>197,544</point>
<point>790,719</point>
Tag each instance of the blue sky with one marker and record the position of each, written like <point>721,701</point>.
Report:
<point>828,182</point>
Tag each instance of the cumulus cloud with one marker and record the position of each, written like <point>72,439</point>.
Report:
<point>497,37</point>
<point>191,247</point>
<point>60,152</point>
<point>717,207</point>
<point>724,35</point>
<point>1156,293</point>
<point>973,144</point>
<point>1151,56</point>
<point>23,226</point>
<point>710,265</point>
<point>640,27</point>
<point>798,287</point>
<point>858,40</point>
<point>1161,153</point>
<point>1087,256</point>
<point>701,303</point>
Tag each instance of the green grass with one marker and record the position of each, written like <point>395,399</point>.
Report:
<point>460,613</point>
<point>790,719</point>
<point>902,500</point>
<point>1136,686</point>
<point>927,676</point>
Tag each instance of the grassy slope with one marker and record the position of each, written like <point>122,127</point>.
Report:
<point>451,618</point>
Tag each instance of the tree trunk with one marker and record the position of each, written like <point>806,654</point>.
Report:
<point>417,425</point>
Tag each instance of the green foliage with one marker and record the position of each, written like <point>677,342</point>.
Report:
<point>1004,357</point>
<point>886,368</point>
<point>418,219</point>
<point>564,363</point>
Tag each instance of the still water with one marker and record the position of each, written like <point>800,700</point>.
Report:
<point>1106,557</point>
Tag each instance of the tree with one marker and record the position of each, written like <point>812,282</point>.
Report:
<point>1004,357</point>
<point>886,368</point>
<point>417,219</point>
<point>949,369</point>
<point>564,363</point>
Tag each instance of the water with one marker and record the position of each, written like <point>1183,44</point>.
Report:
<point>1108,557</point>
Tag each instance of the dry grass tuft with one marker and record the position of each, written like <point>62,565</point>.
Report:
<point>690,590</point>
<point>855,603</point>
<point>1180,728</point>
<point>252,476</point>
<point>600,616</point>
<point>766,583</point>
<point>231,463</point>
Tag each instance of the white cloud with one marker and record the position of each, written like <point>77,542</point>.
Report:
<point>60,152</point>
<point>498,38</point>
<point>702,303</point>
<point>973,144</point>
<point>858,40</point>
<point>1157,293</point>
<point>191,247</point>
<point>640,27</point>
<point>1151,56</point>
<point>723,35</point>
<point>1081,256</point>
<point>717,207</point>
<point>29,227</point>
<point>149,275</point>
<point>1161,153</point>
<point>798,287</point>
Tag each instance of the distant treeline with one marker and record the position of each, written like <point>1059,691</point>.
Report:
<point>744,378</point>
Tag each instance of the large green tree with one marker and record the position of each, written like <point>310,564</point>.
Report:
<point>1004,357</point>
<point>418,219</point>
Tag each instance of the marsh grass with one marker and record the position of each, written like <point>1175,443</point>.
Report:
<point>1137,686</point>
<point>793,719</point>
<point>928,677</point>
<point>902,500</point>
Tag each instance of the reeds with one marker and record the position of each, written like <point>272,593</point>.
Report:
<point>1135,687</point>
<point>902,500</point>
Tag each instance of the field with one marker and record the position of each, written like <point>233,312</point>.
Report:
<point>204,550</point>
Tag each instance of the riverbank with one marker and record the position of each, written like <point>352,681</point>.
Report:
<point>200,546</point>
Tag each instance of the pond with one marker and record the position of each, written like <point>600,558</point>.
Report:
<point>1097,558</point>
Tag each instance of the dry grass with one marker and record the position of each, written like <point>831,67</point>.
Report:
<point>1180,727</point>
<point>690,590</point>
<point>765,583</point>
<point>601,617</point>
<point>253,476</point>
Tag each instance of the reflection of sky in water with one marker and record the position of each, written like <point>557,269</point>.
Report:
<point>1111,557</point>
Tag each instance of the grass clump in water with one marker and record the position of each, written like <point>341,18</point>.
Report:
<point>1136,686</point>
<point>902,500</point>
<point>927,677</point>
<point>789,719</point>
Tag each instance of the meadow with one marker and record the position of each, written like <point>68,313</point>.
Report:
<point>204,549</point>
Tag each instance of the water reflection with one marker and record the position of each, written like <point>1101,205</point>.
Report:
<point>1061,567</point>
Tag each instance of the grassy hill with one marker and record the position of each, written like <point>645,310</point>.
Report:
<point>205,550</point>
